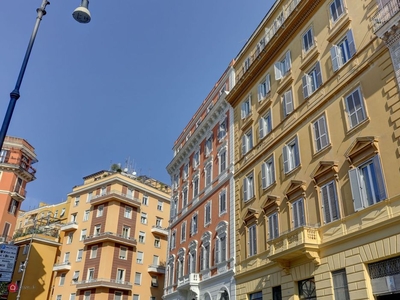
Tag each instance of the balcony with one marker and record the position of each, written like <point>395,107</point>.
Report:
<point>189,282</point>
<point>110,237</point>
<point>18,166</point>
<point>105,283</point>
<point>115,196</point>
<point>64,266</point>
<point>18,194</point>
<point>158,269</point>
<point>386,18</point>
<point>159,230</point>
<point>303,241</point>
<point>69,226</point>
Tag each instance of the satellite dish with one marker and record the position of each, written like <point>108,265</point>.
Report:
<point>134,173</point>
<point>126,170</point>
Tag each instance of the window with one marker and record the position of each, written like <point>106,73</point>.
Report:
<point>220,249</point>
<point>265,124</point>
<point>256,296</point>
<point>138,278</point>
<point>367,184</point>
<point>308,40</point>
<point>343,51</point>
<point>277,293</point>
<point>26,250</point>
<point>3,155</point>
<point>12,208</point>
<point>173,240</point>
<point>336,9</point>
<point>195,186</point>
<point>157,242</point>
<point>287,103</point>
<point>222,202</point>
<point>123,252</point>
<point>207,213</point>
<point>136,297</point>
<point>142,237</point>
<point>185,171</point>
<point>321,137</point>
<point>86,215</point>
<point>283,67</point>
<point>139,257</point>
<point>62,213</point>
<point>128,212</point>
<point>264,87</point>
<point>176,181</point>
<point>74,217</point>
<point>355,108</point>
<point>205,257</point>
<point>76,201</point>
<point>156,260</point>
<point>97,230</point>
<point>126,232</point>
<point>208,146</point>
<point>70,237</point>
<point>268,172</point>
<point>129,193</point>
<point>66,257</point>
<point>273,226</point>
<point>143,218</point>
<point>222,160</point>
<point>193,227</point>
<point>184,197</point>
<point>103,191</point>
<point>340,286</point>
<point>86,296</point>
<point>191,262</point>
<point>159,205</point>
<point>158,222</point>
<point>196,159</point>
<point>307,289</point>
<point>248,187</point>
<point>247,141</point>
<point>62,279</point>
<point>246,107</point>
<point>93,251</point>
<point>120,275</point>
<point>329,202</point>
<point>59,297</point>
<point>79,255</point>
<point>99,212</point>
<point>246,64</point>
<point>222,129</point>
<point>312,80</point>
<point>118,295</point>
<point>291,156</point>
<point>208,171</point>
<point>174,207</point>
<point>145,200</point>
<point>89,196</point>
<point>252,240</point>
<point>298,213</point>
<point>183,232</point>
<point>75,276</point>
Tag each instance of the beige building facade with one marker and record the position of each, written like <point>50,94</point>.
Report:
<point>316,107</point>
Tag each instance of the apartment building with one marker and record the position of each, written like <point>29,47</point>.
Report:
<point>16,159</point>
<point>316,123</point>
<point>115,240</point>
<point>200,262</point>
<point>38,238</point>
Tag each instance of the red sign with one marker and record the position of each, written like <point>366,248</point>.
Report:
<point>12,287</point>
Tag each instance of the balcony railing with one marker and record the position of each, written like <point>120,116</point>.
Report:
<point>159,230</point>
<point>385,13</point>
<point>110,236</point>
<point>118,195</point>
<point>192,279</point>
<point>103,282</point>
<point>64,266</point>
<point>19,165</point>
<point>69,226</point>
<point>160,269</point>
<point>19,193</point>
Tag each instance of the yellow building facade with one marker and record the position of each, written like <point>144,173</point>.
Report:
<point>316,110</point>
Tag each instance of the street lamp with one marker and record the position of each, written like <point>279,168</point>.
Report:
<point>81,14</point>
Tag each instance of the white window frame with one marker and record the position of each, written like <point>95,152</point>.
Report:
<point>208,173</point>
<point>142,237</point>
<point>139,257</point>
<point>283,66</point>
<point>99,211</point>
<point>246,107</point>
<point>353,115</point>
<point>86,215</point>
<point>273,226</point>
<point>268,172</point>
<point>185,197</point>
<point>287,103</point>
<point>222,162</point>
<point>93,251</point>
<point>185,171</point>
<point>209,145</point>
<point>183,231</point>
<point>247,141</point>
<point>128,212</point>
<point>196,159</point>
<point>159,205</point>
<point>248,186</point>
<point>222,129</point>
<point>321,136</point>
<point>329,202</point>
<point>143,218</point>
<point>298,213</point>
<point>264,88</point>
<point>291,155</point>
<point>123,253</point>
<point>343,51</point>
<point>79,255</point>
<point>196,186</point>
<point>83,234</point>
<point>265,124</point>
<point>312,80</point>
<point>336,10</point>
<point>138,278</point>
<point>194,224</point>
<point>207,214</point>
<point>308,40</point>
<point>252,240</point>
<point>222,202</point>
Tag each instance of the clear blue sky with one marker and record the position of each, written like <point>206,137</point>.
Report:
<point>124,85</point>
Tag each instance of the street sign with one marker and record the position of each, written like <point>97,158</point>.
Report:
<point>8,256</point>
<point>12,287</point>
<point>5,276</point>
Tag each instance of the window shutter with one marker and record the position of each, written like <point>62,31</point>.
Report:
<point>325,204</point>
<point>319,74</point>
<point>288,102</point>
<point>245,189</point>
<point>201,259</point>
<point>306,86</point>
<point>270,228</point>
<point>268,84</point>
<point>264,175</point>
<point>296,152</point>
<point>333,201</point>
<point>254,240</point>
<point>222,241</point>
<point>350,40</point>
<point>261,125</point>
<point>301,212</point>
<point>286,159</point>
<point>278,70</point>
<point>379,177</point>
<point>272,169</point>
<point>295,214</point>
<point>356,189</point>
<point>322,132</point>
<point>217,250</point>
<point>244,148</point>
<point>243,110</point>
<point>276,226</point>
<point>288,61</point>
<point>260,92</point>
<point>335,56</point>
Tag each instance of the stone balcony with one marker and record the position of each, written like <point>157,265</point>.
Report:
<point>158,269</point>
<point>110,237</point>
<point>115,196</point>
<point>64,266</point>
<point>159,230</point>
<point>69,226</point>
<point>104,283</point>
<point>189,282</point>
<point>302,241</point>
<point>18,194</point>
<point>386,19</point>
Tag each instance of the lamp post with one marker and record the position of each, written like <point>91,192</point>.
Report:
<point>80,14</point>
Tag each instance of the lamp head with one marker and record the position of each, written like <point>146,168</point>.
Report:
<point>82,13</point>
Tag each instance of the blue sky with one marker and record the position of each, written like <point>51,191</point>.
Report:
<point>124,85</point>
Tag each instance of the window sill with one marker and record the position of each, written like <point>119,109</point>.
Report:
<point>264,105</point>
<point>285,82</point>
<point>327,148</point>
<point>268,188</point>
<point>246,123</point>
<point>289,173</point>
<point>250,199</point>
<point>358,126</point>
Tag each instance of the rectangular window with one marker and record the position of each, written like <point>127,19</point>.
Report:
<point>159,205</point>
<point>139,257</point>
<point>246,64</point>
<point>248,187</point>
<point>86,215</point>
<point>66,257</point>
<point>99,212</point>
<point>298,213</point>
<point>273,226</point>
<point>207,213</point>
<point>128,212</point>
<point>256,296</point>
<point>268,172</point>
<point>76,201</point>
<point>208,146</point>
<point>193,227</point>
<point>123,252</point>
<point>308,40</point>
<point>120,275</point>
<point>222,129</point>
<point>157,242</point>
<point>12,208</point>
<point>75,276</point>
<point>79,255</point>
<point>291,156</point>
<point>355,108</point>
<point>142,237</point>
<point>265,125</point>
<point>62,279</point>
<point>70,237</point>
<point>158,222</point>
<point>173,240</point>
<point>138,278</point>
<point>321,137</point>
<point>247,141</point>
<point>264,88</point>
<point>185,171</point>
<point>196,159</point>
<point>312,80</point>
<point>208,171</point>
<point>367,184</point>
<point>287,103</point>
<point>336,10</point>
<point>277,293</point>
<point>343,51</point>
<point>143,218</point>
<point>222,161</point>
<point>246,107</point>
<point>145,200</point>
<point>283,67</point>
<point>97,230</point>
<point>136,297</point>
<point>59,297</point>
<point>183,232</point>
<point>126,232</point>
<point>86,296</point>
<point>252,242</point>
<point>340,285</point>
<point>93,251</point>
<point>89,197</point>
<point>118,295</point>
<point>222,202</point>
<point>329,202</point>
<point>195,186</point>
